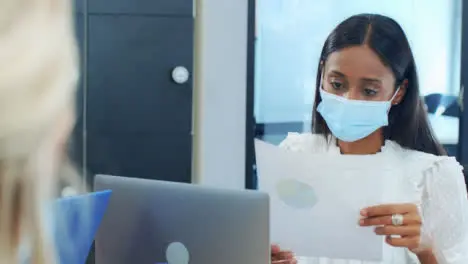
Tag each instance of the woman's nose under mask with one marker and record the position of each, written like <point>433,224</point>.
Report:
<point>352,120</point>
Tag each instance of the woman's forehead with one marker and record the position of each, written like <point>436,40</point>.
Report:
<point>357,62</point>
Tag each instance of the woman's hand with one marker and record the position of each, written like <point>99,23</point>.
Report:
<point>281,257</point>
<point>400,223</point>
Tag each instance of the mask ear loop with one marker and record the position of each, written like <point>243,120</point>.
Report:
<point>394,95</point>
<point>393,98</point>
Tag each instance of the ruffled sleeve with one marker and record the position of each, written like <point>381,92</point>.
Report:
<point>293,142</point>
<point>309,143</point>
<point>444,211</point>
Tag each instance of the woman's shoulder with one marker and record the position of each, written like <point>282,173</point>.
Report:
<point>306,142</point>
<point>429,164</point>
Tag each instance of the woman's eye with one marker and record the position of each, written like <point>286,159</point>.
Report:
<point>336,85</point>
<point>369,92</point>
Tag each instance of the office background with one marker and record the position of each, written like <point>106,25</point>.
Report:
<point>251,65</point>
<point>289,38</point>
<point>134,119</point>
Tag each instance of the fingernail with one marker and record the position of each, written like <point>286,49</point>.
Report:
<point>361,222</point>
<point>364,212</point>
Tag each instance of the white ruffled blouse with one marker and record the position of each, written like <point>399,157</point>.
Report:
<point>436,183</point>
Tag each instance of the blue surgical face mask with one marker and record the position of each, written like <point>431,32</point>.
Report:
<point>352,120</point>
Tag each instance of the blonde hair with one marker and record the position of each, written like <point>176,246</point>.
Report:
<point>38,75</point>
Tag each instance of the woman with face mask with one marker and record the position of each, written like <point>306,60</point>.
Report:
<point>38,75</point>
<point>367,102</point>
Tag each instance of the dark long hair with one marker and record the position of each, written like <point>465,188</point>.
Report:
<point>408,123</point>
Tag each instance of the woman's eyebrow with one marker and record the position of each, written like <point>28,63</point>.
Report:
<point>338,73</point>
<point>366,79</point>
<point>372,80</point>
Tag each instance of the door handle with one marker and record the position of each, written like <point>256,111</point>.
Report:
<point>180,75</point>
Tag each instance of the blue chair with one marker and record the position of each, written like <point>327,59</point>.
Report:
<point>447,103</point>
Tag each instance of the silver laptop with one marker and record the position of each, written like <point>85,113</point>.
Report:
<point>151,222</point>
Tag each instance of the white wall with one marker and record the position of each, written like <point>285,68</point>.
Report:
<point>220,93</point>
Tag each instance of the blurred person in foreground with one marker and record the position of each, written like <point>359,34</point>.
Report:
<point>38,75</point>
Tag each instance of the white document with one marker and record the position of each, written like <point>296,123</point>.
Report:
<point>316,201</point>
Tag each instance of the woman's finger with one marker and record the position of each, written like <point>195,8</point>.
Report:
<point>284,261</point>
<point>283,255</point>
<point>275,249</point>
<point>405,242</point>
<point>411,230</point>
<point>388,209</point>
<point>408,219</point>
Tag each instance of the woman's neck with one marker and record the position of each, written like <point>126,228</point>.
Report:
<point>371,144</point>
